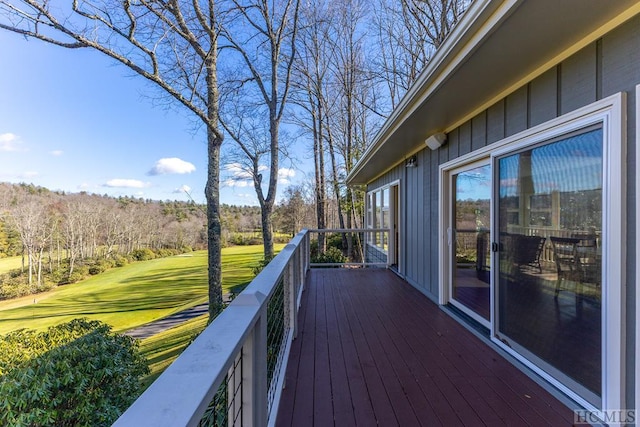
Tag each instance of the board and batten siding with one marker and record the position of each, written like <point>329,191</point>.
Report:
<point>605,67</point>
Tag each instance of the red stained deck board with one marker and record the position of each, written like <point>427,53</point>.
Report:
<point>371,350</point>
<point>359,397</point>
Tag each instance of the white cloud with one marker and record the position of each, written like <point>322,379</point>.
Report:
<point>240,175</point>
<point>28,175</point>
<point>171,165</point>
<point>235,183</point>
<point>9,142</point>
<point>56,153</point>
<point>126,183</point>
<point>240,172</point>
<point>182,189</point>
<point>284,174</point>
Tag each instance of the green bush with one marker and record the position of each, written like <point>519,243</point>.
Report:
<point>335,241</point>
<point>100,266</point>
<point>16,285</point>
<point>332,241</point>
<point>80,272</point>
<point>331,255</point>
<point>77,373</point>
<point>142,254</point>
<point>120,261</point>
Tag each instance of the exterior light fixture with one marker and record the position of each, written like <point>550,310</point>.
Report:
<point>411,162</point>
<point>436,140</point>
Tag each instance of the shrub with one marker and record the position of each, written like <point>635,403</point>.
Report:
<point>100,266</point>
<point>77,373</point>
<point>120,261</point>
<point>335,241</point>
<point>80,272</point>
<point>255,241</point>
<point>142,254</point>
<point>331,255</point>
<point>15,286</point>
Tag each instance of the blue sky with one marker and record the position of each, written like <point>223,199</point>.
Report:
<point>73,120</point>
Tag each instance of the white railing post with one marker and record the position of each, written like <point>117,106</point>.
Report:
<point>254,366</point>
<point>307,252</point>
<point>291,297</point>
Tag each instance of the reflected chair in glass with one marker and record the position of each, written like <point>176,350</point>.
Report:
<point>576,261</point>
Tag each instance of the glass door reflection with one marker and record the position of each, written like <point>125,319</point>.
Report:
<point>470,238</point>
<point>549,224</point>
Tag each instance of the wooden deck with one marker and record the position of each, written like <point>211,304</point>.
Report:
<point>372,350</point>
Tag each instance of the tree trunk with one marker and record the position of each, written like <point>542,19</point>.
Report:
<point>40,256</point>
<point>214,227</point>
<point>336,190</point>
<point>321,197</point>
<point>30,260</point>
<point>267,231</point>
<point>212,189</point>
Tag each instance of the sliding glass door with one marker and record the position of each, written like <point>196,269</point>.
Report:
<point>470,240</point>
<point>548,225</point>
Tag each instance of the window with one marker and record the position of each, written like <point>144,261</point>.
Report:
<point>378,217</point>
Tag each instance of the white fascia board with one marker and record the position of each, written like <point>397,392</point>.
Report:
<point>438,68</point>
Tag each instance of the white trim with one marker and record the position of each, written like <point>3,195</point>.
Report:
<point>558,59</point>
<point>611,113</point>
<point>390,234</point>
<point>637,284</point>
<point>438,69</point>
<point>443,246</point>
<point>445,221</point>
<point>446,61</point>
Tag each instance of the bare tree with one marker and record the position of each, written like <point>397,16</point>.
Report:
<point>408,32</point>
<point>172,44</point>
<point>29,216</point>
<point>311,82</point>
<point>353,84</point>
<point>262,34</point>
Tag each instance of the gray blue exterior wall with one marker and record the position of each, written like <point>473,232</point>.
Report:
<point>603,68</point>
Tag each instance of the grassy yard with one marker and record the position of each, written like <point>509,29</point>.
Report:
<point>11,263</point>
<point>133,295</point>
<point>162,349</point>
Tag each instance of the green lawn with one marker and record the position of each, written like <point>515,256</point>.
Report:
<point>162,349</point>
<point>11,263</point>
<point>133,295</point>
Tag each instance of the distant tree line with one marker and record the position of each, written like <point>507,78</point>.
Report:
<point>64,237</point>
<point>331,70</point>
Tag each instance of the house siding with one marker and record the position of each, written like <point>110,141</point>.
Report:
<point>605,67</point>
<point>620,72</point>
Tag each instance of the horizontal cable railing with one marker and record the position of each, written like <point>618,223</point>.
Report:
<point>356,247</point>
<point>232,374</point>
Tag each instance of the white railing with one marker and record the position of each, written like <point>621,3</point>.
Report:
<point>360,247</point>
<point>232,374</point>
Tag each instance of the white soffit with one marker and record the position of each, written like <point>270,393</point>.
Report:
<point>494,46</point>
